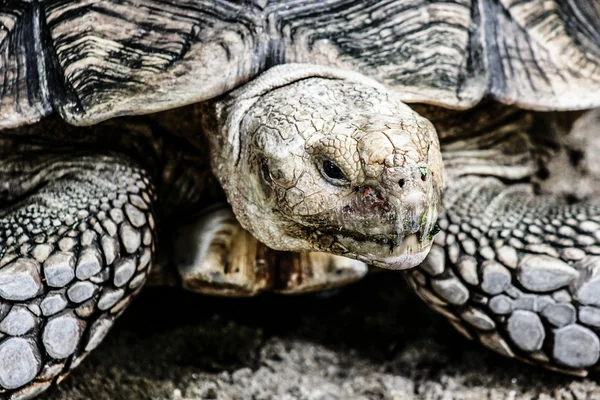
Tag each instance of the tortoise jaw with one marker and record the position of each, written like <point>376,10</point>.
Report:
<point>408,253</point>
<point>402,250</point>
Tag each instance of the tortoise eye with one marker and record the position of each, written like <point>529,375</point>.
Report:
<point>332,172</point>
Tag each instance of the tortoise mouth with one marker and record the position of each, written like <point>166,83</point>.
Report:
<point>408,254</point>
<point>393,251</point>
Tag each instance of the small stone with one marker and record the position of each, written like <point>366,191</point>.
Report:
<point>124,270</point>
<point>20,361</point>
<point>526,330</point>
<point>109,298</point>
<point>589,315</point>
<point>53,302</point>
<point>508,256</point>
<point>131,238</point>
<point>20,280</point>
<point>560,314</point>
<point>478,319</point>
<point>88,264</point>
<point>135,216</point>
<point>81,291</point>
<point>501,304</point>
<point>18,322</point>
<point>495,277</point>
<point>451,290</point>
<point>435,262</point>
<point>59,269</point>
<point>467,268</point>
<point>576,346</point>
<point>62,334</point>
<point>542,273</point>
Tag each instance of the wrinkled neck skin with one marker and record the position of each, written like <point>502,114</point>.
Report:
<point>318,159</point>
<point>491,140</point>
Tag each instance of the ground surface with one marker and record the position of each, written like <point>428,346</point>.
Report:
<point>373,340</point>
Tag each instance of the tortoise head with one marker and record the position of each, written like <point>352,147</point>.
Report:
<point>317,159</point>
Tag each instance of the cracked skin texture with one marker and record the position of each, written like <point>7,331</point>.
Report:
<point>385,192</point>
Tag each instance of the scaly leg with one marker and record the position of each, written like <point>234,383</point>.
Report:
<point>517,271</point>
<point>76,242</point>
<point>215,255</point>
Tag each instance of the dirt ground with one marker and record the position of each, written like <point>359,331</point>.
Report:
<point>372,340</point>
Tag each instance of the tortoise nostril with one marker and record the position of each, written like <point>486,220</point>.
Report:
<point>401,182</point>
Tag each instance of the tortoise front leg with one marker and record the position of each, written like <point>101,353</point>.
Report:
<point>517,271</point>
<point>215,255</point>
<point>76,243</point>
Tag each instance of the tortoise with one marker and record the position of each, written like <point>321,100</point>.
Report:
<point>270,146</point>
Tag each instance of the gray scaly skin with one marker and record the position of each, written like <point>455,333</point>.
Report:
<point>511,268</point>
<point>77,229</point>
<point>518,272</point>
<point>76,243</point>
